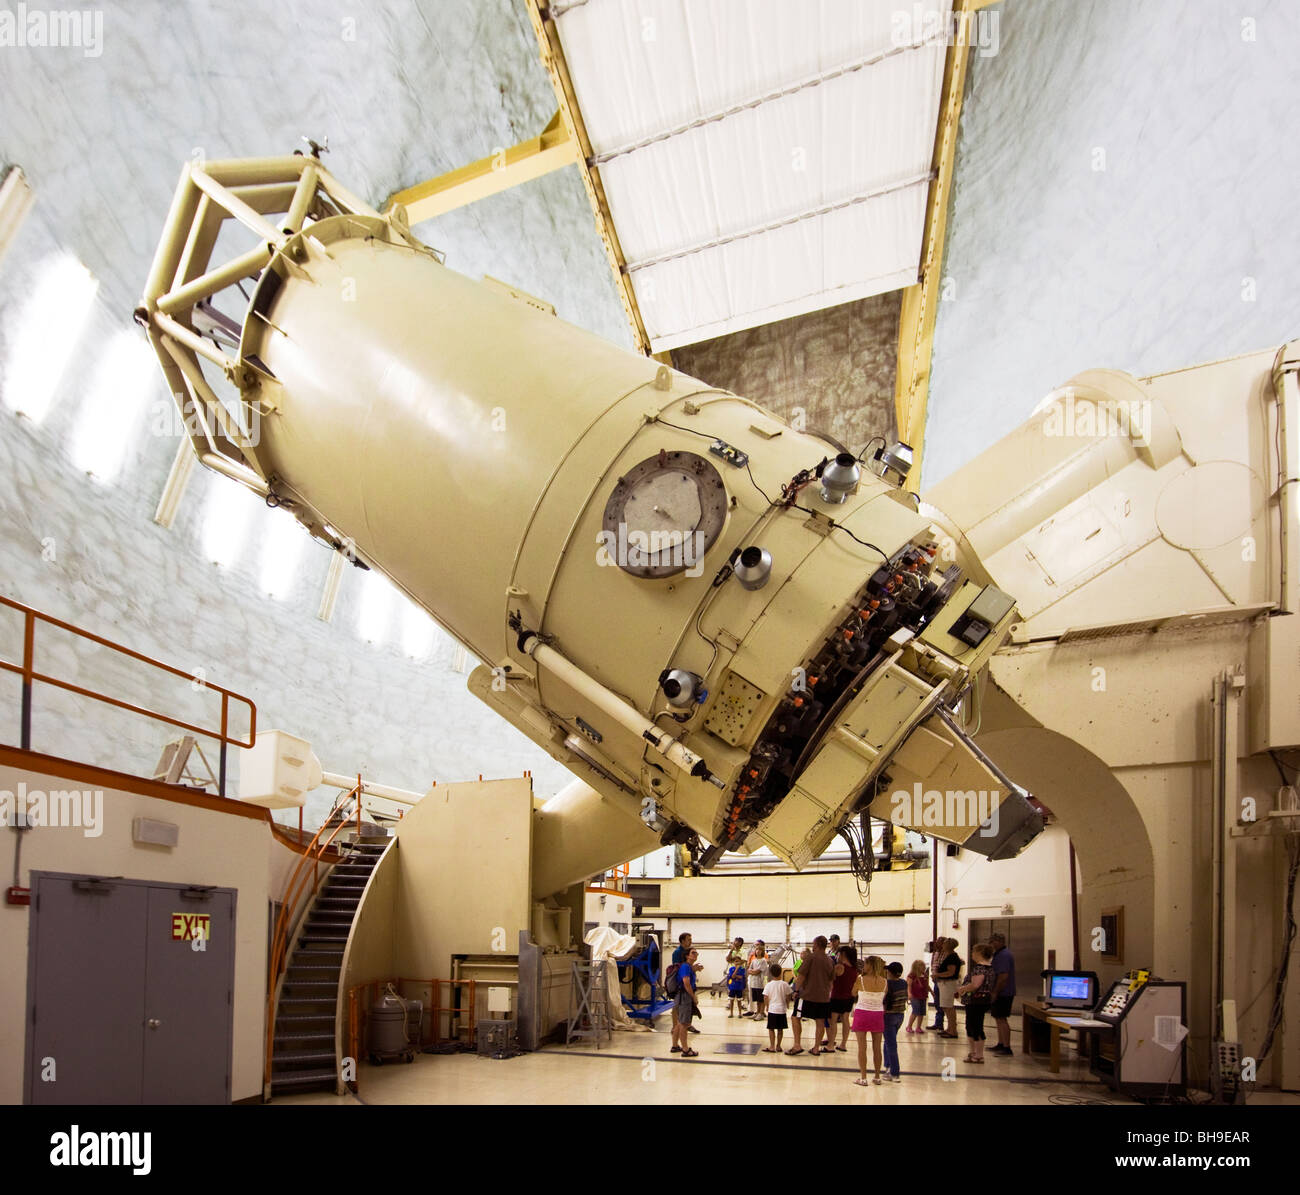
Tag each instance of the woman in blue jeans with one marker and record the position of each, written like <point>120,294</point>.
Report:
<point>895,1011</point>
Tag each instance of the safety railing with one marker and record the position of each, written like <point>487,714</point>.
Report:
<point>31,677</point>
<point>362,997</point>
<point>295,891</point>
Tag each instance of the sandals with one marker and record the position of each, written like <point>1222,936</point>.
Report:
<point>792,1052</point>
<point>690,1053</point>
<point>843,1049</point>
<point>863,1082</point>
<point>975,1060</point>
<point>770,1050</point>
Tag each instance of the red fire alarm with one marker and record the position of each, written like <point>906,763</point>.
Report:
<point>18,896</point>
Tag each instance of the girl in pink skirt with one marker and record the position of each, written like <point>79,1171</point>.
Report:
<point>869,1014</point>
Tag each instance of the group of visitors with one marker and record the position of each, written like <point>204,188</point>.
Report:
<point>839,994</point>
<point>988,990</point>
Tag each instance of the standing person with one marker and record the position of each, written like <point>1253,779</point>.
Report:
<point>869,1014</point>
<point>816,976</point>
<point>918,988</point>
<point>948,975</point>
<point>758,965</point>
<point>895,1009</point>
<point>776,998</point>
<point>736,988</point>
<point>833,947</point>
<point>846,974</point>
<point>796,1005</point>
<point>684,1006</point>
<point>679,957</point>
<point>737,952</point>
<point>936,957</point>
<point>977,993</point>
<point>1004,992</point>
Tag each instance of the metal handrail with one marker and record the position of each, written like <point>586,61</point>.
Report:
<point>27,670</point>
<point>294,889</point>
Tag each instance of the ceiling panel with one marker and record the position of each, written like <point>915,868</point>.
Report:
<point>760,160</point>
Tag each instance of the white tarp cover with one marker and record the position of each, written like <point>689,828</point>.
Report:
<point>761,158</point>
<point>610,945</point>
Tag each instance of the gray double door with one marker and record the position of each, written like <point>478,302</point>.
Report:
<point>1024,937</point>
<point>130,992</point>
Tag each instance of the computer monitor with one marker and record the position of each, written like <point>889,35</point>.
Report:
<point>1071,989</point>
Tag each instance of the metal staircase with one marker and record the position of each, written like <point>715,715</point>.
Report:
<point>302,1057</point>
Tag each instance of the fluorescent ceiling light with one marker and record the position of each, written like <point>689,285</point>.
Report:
<point>126,379</point>
<point>281,552</point>
<point>226,520</point>
<point>45,335</point>
<point>419,631</point>
<point>376,608</point>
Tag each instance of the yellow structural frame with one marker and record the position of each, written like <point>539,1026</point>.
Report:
<point>552,150</point>
<point>920,302</point>
<point>548,39</point>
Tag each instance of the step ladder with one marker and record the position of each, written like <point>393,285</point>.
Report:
<point>589,1004</point>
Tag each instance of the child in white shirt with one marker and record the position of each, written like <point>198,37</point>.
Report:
<point>776,999</point>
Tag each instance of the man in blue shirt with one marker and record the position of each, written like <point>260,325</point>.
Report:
<point>1004,992</point>
<point>684,1006</point>
<point>679,957</point>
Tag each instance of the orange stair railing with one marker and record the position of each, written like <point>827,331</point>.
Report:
<point>30,677</point>
<point>295,890</point>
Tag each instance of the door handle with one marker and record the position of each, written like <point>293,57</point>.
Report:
<point>153,1022</point>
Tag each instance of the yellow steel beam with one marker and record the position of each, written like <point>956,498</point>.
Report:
<point>920,302</point>
<point>548,39</point>
<point>500,171</point>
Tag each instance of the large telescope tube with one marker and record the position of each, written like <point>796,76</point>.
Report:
<point>686,600</point>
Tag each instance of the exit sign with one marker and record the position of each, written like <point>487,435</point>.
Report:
<point>189,927</point>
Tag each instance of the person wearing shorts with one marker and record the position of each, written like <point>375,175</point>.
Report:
<point>679,957</point>
<point>758,965</point>
<point>776,998</point>
<point>846,974</point>
<point>796,1005</point>
<point>684,1006</point>
<point>869,1014</point>
<point>918,989</point>
<point>1004,991</point>
<point>815,978</point>
<point>948,974</point>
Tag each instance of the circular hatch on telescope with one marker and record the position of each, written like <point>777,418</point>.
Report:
<point>665,514</point>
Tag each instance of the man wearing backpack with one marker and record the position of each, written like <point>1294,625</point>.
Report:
<point>684,1004</point>
<point>679,957</point>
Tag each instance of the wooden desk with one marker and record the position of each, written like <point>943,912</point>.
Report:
<point>1034,1016</point>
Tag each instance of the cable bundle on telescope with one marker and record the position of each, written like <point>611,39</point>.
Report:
<point>857,835</point>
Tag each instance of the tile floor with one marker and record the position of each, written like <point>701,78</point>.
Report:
<point>637,1068</point>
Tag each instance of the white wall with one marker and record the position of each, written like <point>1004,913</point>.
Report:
<point>1182,247</point>
<point>1035,884</point>
<point>103,169</point>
